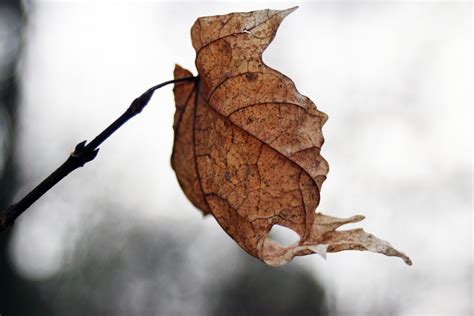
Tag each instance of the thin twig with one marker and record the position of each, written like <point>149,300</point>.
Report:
<point>82,154</point>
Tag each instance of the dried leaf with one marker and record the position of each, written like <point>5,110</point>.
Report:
<point>247,144</point>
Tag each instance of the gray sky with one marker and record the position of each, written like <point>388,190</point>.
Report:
<point>394,78</point>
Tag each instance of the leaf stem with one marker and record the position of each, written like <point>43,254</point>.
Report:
<point>82,154</point>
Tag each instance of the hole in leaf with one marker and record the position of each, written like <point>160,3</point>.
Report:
<point>283,235</point>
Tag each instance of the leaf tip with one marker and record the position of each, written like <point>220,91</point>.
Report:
<point>407,260</point>
<point>286,12</point>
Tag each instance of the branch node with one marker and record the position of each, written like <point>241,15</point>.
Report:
<point>79,148</point>
<point>139,103</point>
<point>82,154</point>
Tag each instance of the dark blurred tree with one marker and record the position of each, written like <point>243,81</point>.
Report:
<point>17,295</point>
<point>257,289</point>
<point>127,268</point>
<point>121,268</point>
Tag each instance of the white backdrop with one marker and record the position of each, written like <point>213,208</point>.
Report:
<point>394,78</point>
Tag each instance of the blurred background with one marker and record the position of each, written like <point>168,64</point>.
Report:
<point>118,237</point>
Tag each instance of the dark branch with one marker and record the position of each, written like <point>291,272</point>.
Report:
<point>82,154</point>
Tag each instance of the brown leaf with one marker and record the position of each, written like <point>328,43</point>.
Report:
<point>247,144</point>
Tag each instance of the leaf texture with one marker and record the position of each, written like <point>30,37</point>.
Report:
<point>247,144</point>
